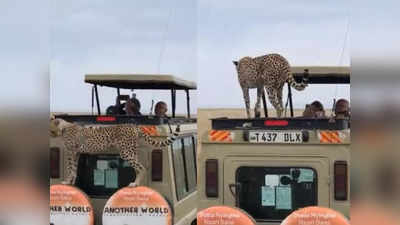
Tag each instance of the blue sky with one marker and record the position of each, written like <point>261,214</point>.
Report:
<point>305,32</point>
<point>24,55</point>
<point>203,38</point>
<point>120,37</point>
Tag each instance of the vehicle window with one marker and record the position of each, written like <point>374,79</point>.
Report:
<point>102,175</point>
<point>179,169</point>
<point>189,154</point>
<point>195,151</point>
<point>272,193</point>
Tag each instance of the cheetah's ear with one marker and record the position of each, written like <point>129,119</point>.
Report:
<point>235,63</point>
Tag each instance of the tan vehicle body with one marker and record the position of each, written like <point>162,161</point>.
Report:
<point>184,209</point>
<point>239,152</point>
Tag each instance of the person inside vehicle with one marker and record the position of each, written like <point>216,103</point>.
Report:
<point>317,110</point>
<point>314,110</point>
<point>307,112</point>
<point>118,108</point>
<point>112,110</point>
<point>342,109</point>
<point>161,109</point>
<point>132,107</point>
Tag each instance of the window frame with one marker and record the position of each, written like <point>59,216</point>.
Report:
<point>185,173</point>
<point>89,189</point>
<point>277,167</point>
<point>190,167</point>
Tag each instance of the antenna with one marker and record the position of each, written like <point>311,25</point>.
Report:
<point>164,40</point>
<point>333,106</point>
<point>341,61</point>
<point>151,108</point>
<point>163,46</point>
<point>344,42</point>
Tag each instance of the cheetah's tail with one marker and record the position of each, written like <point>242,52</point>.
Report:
<point>298,86</point>
<point>159,144</point>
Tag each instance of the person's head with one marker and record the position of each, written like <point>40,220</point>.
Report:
<point>245,67</point>
<point>112,110</point>
<point>317,106</point>
<point>317,109</point>
<point>307,111</point>
<point>136,104</point>
<point>160,109</point>
<point>133,106</point>
<point>342,107</point>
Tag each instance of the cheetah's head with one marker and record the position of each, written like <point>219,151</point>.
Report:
<point>57,126</point>
<point>245,65</point>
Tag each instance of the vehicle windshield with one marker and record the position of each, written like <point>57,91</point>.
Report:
<point>134,103</point>
<point>102,175</point>
<point>272,193</point>
<point>145,102</point>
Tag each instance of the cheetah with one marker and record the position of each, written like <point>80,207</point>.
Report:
<point>268,71</point>
<point>78,139</point>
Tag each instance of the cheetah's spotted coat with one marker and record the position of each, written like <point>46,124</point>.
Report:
<point>78,139</point>
<point>270,71</point>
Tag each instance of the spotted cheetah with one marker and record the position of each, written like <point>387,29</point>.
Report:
<point>78,139</point>
<point>268,71</point>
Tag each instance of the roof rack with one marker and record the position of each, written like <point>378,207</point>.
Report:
<point>225,123</point>
<point>123,119</point>
<point>140,81</point>
<point>322,74</point>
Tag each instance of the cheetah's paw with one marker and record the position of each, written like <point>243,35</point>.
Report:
<point>133,184</point>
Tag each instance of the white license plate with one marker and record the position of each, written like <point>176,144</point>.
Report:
<point>275,137</point>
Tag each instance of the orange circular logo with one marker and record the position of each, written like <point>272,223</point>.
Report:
<point>224,215</point>
<point>315,216</point>
<point>69,206</point>
<point>134,206</point>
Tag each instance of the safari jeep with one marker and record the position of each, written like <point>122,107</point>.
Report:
<point>270,167</point>
<point>170,171</point>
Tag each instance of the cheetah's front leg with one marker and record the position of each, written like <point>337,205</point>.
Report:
<point>257,108</point>
<point>279,96</point>
<point>72,167</point>
<point>140,174</point>
<point>130,155</point>
<point>246,100</point>
<point>273,98</point>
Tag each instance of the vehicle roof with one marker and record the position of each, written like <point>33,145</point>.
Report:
<point>140,81</point>
<point>124,119</point>
<point>323,74</point>
<point>225,123</point>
